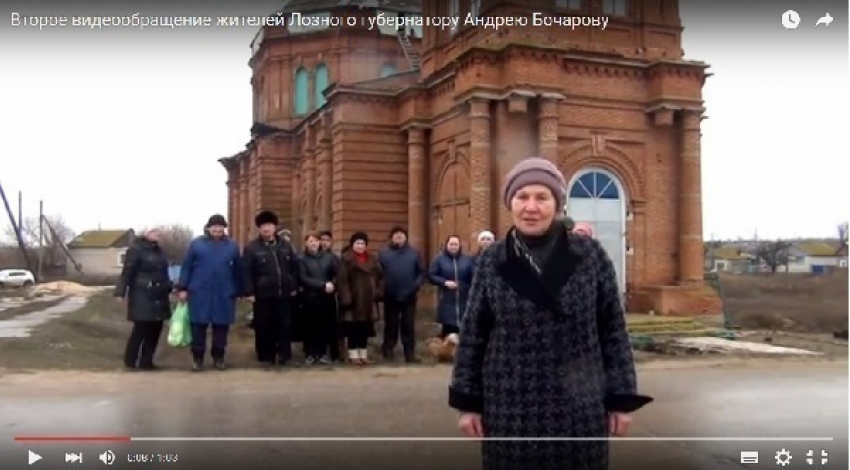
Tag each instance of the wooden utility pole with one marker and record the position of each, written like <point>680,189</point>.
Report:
<point>40,239</point>
<point>21,212</point>
<point>16,228</point>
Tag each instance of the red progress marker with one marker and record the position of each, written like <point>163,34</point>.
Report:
<point>72,439</point>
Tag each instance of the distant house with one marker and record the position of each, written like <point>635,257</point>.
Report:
<point>841,253</point>
<point>815,257</point>
<point>729,259</point>
<point>101,252</point>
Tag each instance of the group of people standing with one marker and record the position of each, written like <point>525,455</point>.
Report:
<point>334,299</point>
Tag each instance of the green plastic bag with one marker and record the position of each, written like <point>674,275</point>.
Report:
<point>179,331</point>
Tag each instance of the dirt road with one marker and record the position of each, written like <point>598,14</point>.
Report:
<point>767,399</point>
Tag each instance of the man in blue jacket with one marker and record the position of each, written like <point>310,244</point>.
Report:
<point>211,281</point>
<point>404,274</point>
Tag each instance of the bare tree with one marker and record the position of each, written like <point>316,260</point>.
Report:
<point>774,253</point>
<point>174,241</point>
<point>56,234</point>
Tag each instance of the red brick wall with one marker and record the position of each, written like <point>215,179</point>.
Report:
<point>623,116</point>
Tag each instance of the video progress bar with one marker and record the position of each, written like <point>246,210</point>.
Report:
<point>127,439</point>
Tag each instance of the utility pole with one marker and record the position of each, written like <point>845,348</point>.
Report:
<point>21,212</point>
<point>16,228</point>
<point>40,239</point>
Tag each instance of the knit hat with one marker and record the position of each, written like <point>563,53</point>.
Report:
<point>266,217</point>
<point>535,171</point>
<point>486,234</point>
<point>358,236</point>
<point>216,219</point>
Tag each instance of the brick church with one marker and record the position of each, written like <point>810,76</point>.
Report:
<point>363,129</point>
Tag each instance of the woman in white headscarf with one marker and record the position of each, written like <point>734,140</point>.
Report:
<point>485,239</point>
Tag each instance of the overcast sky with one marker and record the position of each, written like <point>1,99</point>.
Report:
<point>123,129</point>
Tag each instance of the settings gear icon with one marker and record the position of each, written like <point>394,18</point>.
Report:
<point>783,458</point>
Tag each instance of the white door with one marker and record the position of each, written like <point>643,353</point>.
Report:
<point>596,197</point>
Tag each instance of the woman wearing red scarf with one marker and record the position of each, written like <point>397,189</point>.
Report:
<point>360,285</point>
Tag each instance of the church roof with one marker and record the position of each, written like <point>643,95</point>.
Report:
<point>395,82</point>
<point>304,6</point>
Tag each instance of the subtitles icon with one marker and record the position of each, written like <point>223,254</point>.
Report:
<point>790,19</point>
<point>749,456</point>
<point>825,20</point>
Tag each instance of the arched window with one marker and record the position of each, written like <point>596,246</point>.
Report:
<point>596,185</point>
<point>301,90</point>
<point>321,82</point>
<point>387,70</point>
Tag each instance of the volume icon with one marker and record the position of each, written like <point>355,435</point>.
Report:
<point>107,457</point>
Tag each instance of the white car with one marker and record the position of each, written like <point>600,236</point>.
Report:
<point>16,278</point>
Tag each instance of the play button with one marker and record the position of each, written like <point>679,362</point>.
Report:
<point>33,457</point>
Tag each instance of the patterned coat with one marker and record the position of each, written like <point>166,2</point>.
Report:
<point>544,356</point>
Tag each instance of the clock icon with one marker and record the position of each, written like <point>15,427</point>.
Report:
<point>790,19</point>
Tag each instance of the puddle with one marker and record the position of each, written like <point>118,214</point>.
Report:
<point>13,302</point>
<point>22,326</point>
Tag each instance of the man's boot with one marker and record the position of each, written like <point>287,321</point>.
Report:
<point>388,354</point>
<point>218,359</point>
<point>197,361</point>
<point>410,356</point>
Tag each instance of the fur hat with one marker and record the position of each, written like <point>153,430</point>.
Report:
<point>358,236</point>
<point>216,219</point>
<point>266,217</point>
<point>535,171</point>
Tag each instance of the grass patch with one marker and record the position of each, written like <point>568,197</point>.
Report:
<point>94,337</point>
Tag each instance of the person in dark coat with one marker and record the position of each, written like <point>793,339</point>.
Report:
<point>543,350</point>
<point>360,284</point>
<point>405,274</point>
<point>318,275</point>
<point>451,272</point>
<point>338,345</point>
<point>270,282</point>
<point>145,287</point>
<point>211,281</point>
